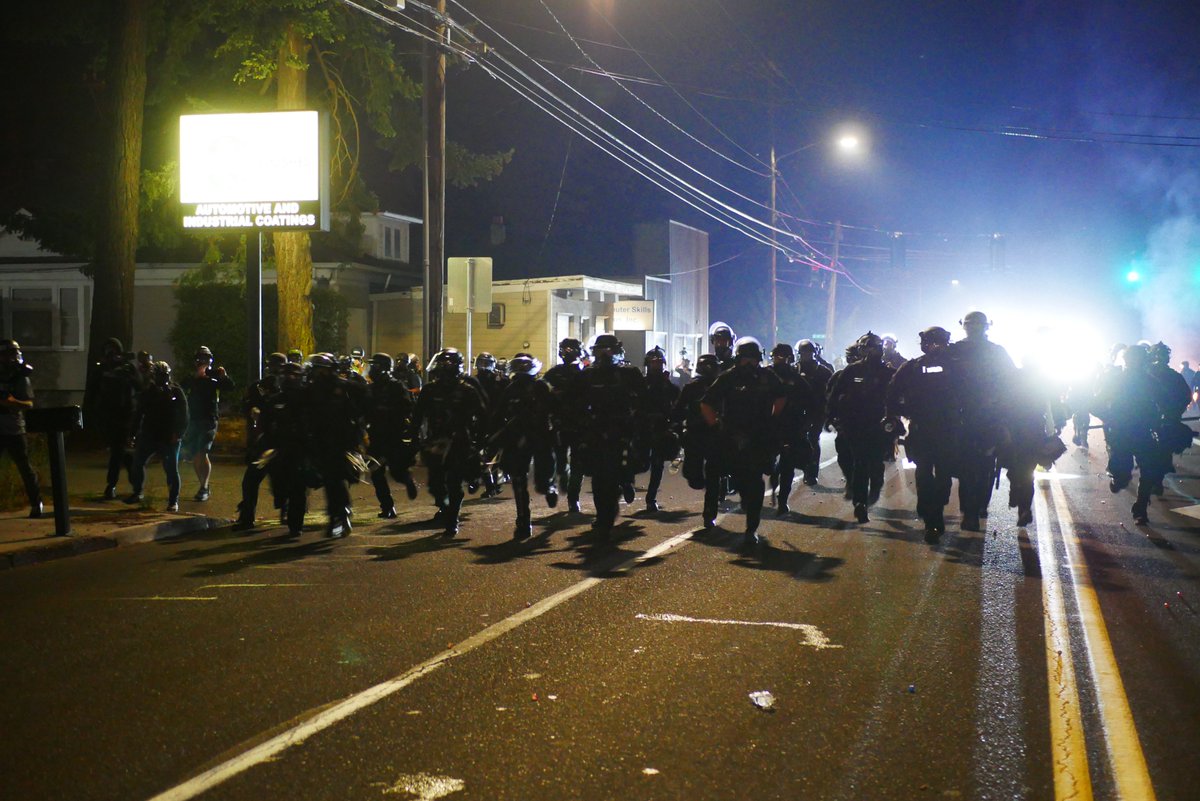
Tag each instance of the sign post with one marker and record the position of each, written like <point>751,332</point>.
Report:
<point>254,172</point>
<point>469,287</point>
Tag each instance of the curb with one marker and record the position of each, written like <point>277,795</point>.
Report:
<point>76,545</point>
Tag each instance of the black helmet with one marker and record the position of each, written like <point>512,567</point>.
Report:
<point>867,342</point>
<point>161,373</point>
<point>708,365</point>
<point>570,345</point>
<point>11,349</point>
<point>203,354</point>
<point>784,350</point>
<point>358,353</point>
<point>934,335</point>
<point>611,343</point>
<point>807,346</point>
<point>446,363</point>
<point>485,361</point>
<point>382,361</point>
<point>1136,357</point>
<point>524,364</point>
<point>975,318</point>
<point>1160,353</point>
<point>654,354</point>
<point>322,361</point>
<point>275,361</point>
<point>747,348</point>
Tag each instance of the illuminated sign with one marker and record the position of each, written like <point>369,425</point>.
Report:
<point>633,315</point>
<point>266,171</point>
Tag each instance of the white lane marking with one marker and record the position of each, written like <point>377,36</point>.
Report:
<point>813,636</point>
<point>343,709</point>
<point>1129,769</point>
<point>165,598</point>
<point>1068,751</point>
<point>227,586</point>
<point>425,786</point>
<point>828,462</point>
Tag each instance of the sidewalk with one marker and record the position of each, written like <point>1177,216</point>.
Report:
<point>97,524</point>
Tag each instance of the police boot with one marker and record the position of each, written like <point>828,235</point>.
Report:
<point>1140,510</point>
<point>652,502</point>
<point>1024,516</point>
<point>860,513</point>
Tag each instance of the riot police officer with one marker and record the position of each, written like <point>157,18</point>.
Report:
<point>492,382</point>
<point>817,373</point>
<point>891,356</point>
<point>660,441</point>
<point>983,371</point>
<point>255,406</point>
<point>16,397</point>
<point>720,339</point>
<point>335,436</point>
<point>118,383</point>
<point>566,418</point>
<point>449,416</point>
<point>856,406</point>
<point>744,403</point>
<point>700,448</point>
<point>793,424</point>
<point>389,415</point>
<point>923,391</point>
<point>611,394</point>
<point>522,436</point>
<point>160,422</point>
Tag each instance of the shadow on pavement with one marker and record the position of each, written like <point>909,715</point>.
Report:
<point>272,550</point>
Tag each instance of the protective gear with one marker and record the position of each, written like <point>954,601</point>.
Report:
<point>869,340</point>
<point>571,350</point>
<point>654,354</point>
<point>446,363</point>
<point>275,362</point>
<point>10,349</point>
<point>203,354</point>
<point>747,348</point>
<point>1160,353</point>
<point>320,361</point>
<point>162,373</point>
<point>889,339</point>
<point>485,361</point>
<point>975,319</point>
<point>358,353</point>
<point>383,362</point>
<point>1136,357</point>
<point>785,351</point>
<point>720,329</point>
<point>525,364</point>
<point>720,339</point>
<point>807,346</point>
<point>295,356</point>
<point>609,342</point>
<point>707,366</point>
<point>934,335</point>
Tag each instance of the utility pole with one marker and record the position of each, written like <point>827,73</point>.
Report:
<point>434,108</point>
<point>831,304</point>
<point>774,253</point>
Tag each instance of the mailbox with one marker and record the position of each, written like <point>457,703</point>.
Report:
<point>54,421</point>
<point>54,418</point>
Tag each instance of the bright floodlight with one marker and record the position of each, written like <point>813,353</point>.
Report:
<point>230,158</point>
<point>848,143</point>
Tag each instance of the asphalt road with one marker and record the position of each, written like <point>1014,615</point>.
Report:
<point>1050,662</point>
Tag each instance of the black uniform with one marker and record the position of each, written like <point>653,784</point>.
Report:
<point>1032,418</point>
<point>389,413</point>
<point>566,418</point>
<point>118,383</point>
<point>450,414</point>
<point>744,400</point>
<point>698,438</point>
<point>334,431</point>
<point>610,396</point>
<point>857,397</point>
<point>795,451</point>
<point>258,401</point>
<point>15,394</point>
<point>923,391</point>
<point>491,384</point>
<point>818,375</point>
<point>522,436</point>
<point>660,441</point>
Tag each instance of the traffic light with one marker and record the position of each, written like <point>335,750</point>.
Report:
<point>898,250</point>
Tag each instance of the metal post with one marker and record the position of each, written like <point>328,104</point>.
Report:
<point>435,182</point>
<point>470,308</point>
<point>774,253</point>
<point>831,305</point>
<point>58,482</point>
<point>253,307</point>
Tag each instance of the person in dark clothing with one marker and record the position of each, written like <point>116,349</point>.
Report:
<point>389,412</point>
<point>203,389</point>
<point>891,356</point>
<point>522,436</point>
<point>720,339</point>
<point>1032,419</point>
<point>658,437</point>
<point>793,424</point>
<point>611,394</point>
<point>983,372</point>
<point>1138,408</point>
<point>256,406</point>
<point>118,383</point>
<point>491,382</point>
<point>334,427</point>
<point>857,397</point>
<point>449,415</point>
<point>161,420</point>
<point>16,398</point>
<point>285,423</point>
<point>701,452</point>
<point>817,373</point>
<point>745,403</point>
<point>923,391</point>
<point>1177,396</point>
<point>566,418</point>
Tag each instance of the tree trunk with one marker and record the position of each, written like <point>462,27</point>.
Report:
<point>116,248</point>
<point>293,258</point>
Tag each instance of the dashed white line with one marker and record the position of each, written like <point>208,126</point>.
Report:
<point>813,636</point>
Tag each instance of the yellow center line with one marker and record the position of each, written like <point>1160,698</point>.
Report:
<point>1068,751</point>
<point>1130,773</point>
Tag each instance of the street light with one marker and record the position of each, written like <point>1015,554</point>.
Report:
<point>847,143</point>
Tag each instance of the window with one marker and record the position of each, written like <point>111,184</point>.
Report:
<point>496,316</point>
<point>387,242</point>
<point>397,248</point>
<point>43,318</point>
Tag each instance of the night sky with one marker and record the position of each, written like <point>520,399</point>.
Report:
<point>1070,129</point>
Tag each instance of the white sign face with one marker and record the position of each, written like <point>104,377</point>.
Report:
<point>633,315</point>
<point>264,170</point>
<point>468,284</point>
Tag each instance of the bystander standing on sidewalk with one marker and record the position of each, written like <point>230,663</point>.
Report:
<point>203,390</point>
<point>16,396</point>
